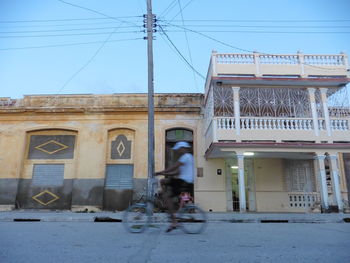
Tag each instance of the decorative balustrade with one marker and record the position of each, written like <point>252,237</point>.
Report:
<point>252,123</point>
<point>340,124</point>
<point>276,124</point>
<point>7,102</point>
<point>229,123</point>
<point>226,123</point>
<point>235,58</point>
<point>259,64</point>
<point>302,199</point>
<point>279,59</point>
<point>326,60</point>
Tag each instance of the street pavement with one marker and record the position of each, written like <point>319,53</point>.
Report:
<point>222,241</point>
<point>68,216</point>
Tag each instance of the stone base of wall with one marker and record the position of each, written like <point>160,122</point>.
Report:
<point>4,208</point>
<point>78,195</point>
<point>8,191</point>
<point>86,209</point>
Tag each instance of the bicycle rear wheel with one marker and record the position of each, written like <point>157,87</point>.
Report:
<point>192,219</point>
<point>136,219</point>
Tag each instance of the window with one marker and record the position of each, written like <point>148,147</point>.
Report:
<point>119,176</point>
<point>48,174</point>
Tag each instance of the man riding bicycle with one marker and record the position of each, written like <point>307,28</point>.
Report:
<point>177,183</point>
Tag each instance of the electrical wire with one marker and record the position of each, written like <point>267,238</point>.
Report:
<point>77,34</point>
<point>187,42</point>
<point>66,19</point>
<point>267,32</point>
<point>94,11</point>
<point>178,51</point>
<point>168,9</point>
<point>267,21</point>
<point>181,11</point>
<point>64,30</point>
<point>242,49</point>
<point>68,44</point>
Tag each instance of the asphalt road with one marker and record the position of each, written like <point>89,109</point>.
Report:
<point>52,242</point>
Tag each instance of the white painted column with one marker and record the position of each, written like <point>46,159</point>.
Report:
<point>236,109</point>
<point>313,110</point>
<point>215,128</point>
<point>322,180</point>
<point>325,110</point>
<point>241,183</point>
<point>229,202</point>
<point>333,165</point>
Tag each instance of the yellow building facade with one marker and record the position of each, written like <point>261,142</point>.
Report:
<point>85,151</point>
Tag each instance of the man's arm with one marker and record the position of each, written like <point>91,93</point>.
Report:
<point>170,170</point>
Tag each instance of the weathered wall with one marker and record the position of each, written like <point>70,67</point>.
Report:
<point>96,122</point>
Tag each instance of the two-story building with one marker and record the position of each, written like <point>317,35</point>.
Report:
<point>276,132</point>
<point>271,133</point>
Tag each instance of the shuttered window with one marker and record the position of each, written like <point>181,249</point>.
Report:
<point>119,176</point>
<point>48,175</point>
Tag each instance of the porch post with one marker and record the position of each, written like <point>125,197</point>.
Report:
<point>241,183</point>
<point>321,174</point>
<point>229,203</point>
<point>335,181</point>
<point>313,110</point>
<point>236,109</point>
<point>325,110</point>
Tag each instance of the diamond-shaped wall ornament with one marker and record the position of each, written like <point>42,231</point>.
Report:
<point>45,197</point>
<point>121,148</point>
<point>51,147</point>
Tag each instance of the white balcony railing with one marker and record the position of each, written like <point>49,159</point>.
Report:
<point>259,65</point>
<point>254,123</point>
<point>302,200</point>
<point>258,123</point>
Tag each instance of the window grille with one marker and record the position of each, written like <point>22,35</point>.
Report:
<point>48,175</point>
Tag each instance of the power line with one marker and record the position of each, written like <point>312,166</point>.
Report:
<point>168,9</point>
<point>68,44</point>
<point>181,10</point>
<point>178,51</point>
<point>66,19</point>
<point>267,26</point>
<point>61,25</point>
<point>77,34</point>
<point>64,30</point>
<point>267,32</point>
<point>88,62</point>
<point>242,49</point>
<point>187,42</point>
<point>267,21</point>
<point>94,11</point>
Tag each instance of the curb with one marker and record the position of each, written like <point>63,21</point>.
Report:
<point>162,218</point>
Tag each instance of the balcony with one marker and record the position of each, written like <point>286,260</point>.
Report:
<point>277,99</point>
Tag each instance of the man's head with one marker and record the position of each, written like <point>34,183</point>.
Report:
<point>182,146</point>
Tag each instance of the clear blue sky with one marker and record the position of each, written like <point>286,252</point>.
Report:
<point>36,55</point>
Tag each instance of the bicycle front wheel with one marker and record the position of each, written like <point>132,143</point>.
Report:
<point>136,218</point>
<point>192,219</point>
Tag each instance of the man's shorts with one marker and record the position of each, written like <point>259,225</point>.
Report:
<point>178,185</point>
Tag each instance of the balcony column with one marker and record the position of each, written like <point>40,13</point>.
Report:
<point>236,109</point>
<point>321,175</point>
<point>325,110</point>
<point>241,183</point>
<point>333,165</point>
<point>313,110</point>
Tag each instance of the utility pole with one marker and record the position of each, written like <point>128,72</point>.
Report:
<point>150,99</point>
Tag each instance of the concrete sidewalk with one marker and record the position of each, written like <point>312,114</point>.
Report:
<point>68,216</point>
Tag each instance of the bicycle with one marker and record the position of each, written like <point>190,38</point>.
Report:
<point>139,216</point>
